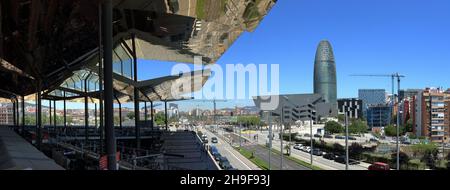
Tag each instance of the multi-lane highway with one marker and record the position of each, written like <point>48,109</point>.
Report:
<point>236,159</point>
<point>317,160</point>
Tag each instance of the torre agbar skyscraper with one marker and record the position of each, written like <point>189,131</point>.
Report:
<point>325,73</point>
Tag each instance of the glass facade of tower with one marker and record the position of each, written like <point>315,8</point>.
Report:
<point>325,73</point>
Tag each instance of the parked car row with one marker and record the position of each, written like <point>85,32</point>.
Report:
<point>221,160</point>
<point>341,137</point>
<point>329,156</point>
<point>302,148</point>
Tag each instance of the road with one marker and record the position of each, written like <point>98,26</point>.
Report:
<point>187,7</point>
<point>317,160</point>
<point>236,159</point>
<point>263,153</point>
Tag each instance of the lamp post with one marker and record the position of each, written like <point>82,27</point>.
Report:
<point>398,122</point>
<point>311,137</point>
<point>281,136</point>
<point>270,136</point>
<point>346,139</point>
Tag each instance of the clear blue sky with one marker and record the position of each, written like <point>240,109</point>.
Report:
<point>368,36</point>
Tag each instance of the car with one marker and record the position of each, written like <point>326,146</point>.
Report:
<point>307,149</point>
<point>173,6</point>
<point>377,166</point>
<point>214,140</point>
<point>339,137</point>
<point>328,136</point>
<point>317,136</point>
<point>224,163</point>
<point>330,156</point>
<point>298,146</point>
<point>342,160</point>
<point>306,135</point>
<point>317,152</point>
<point>373,140</point>
<point>217,157</point>
<point>205,140</point>
<point>351,138</point>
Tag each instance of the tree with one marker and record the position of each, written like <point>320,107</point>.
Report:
<point>333,127</point>
<point>338,147</point>
<point>355,150</point>
<point>448,161</point>
<point>390,131</point>
<point>357,127</point>
<point>341,118</point>
<point>403,158</point>
<point>159,118</point>
<point>430,158</point>
<point>408,126</point>
<point>130,115</point>
<point>288,149</point>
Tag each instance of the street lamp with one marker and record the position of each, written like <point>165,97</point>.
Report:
<point>269,124</point>
<point>310,110</point>
<point>346,111</point>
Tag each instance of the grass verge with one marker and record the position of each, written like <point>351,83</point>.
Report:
<point>200,10</point>
<point>298,161</point>
<point>257,161</point>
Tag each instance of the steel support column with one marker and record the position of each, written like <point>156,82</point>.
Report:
<point>165,115</point>
<point>107,31</point>
<point>23,115</point>
<point>120,114</point>
<point>49,113</point>
<point>145,111</point>
<point>95,115</point>
<point>17,112</point>
<point>86,113</point>
<point>64,109</point>
<point>136,94</point>
<point>14,113</point>
<point>39,116</point>
<point>54,113</point>
<point>100,79</point>
<point>151,115</point>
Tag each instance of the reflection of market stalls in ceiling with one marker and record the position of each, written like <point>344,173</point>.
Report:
<point>52,40</point>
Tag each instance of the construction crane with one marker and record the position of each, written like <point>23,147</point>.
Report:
<point>393,76</point>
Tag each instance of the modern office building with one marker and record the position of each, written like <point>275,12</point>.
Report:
<point>320,111</point>
<point>378,116</point>
<point>353,105</point>
<point>371,97</point>
<point>408,93</point>
<point>325,73</point>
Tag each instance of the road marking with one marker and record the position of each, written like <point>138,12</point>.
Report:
<point>237,158</point>
<point>189,8</point>
<point>225,147</point>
